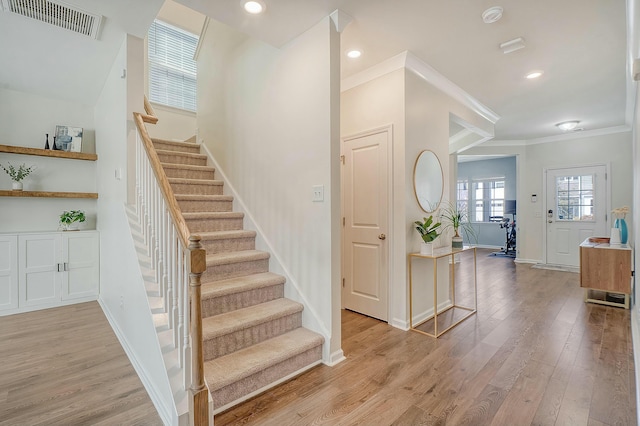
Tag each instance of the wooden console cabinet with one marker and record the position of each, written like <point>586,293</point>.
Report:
<point>606,268</point>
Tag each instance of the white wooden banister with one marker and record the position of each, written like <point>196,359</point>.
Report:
<point>179,261</point>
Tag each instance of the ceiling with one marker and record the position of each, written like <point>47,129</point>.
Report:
<point>50,61</point>
<point>581,45</point>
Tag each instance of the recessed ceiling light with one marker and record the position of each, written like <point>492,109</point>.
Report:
<point>353,54</point>
<point>534,74</point>
<point>254,6</point>
<point>568,126</point>
<point>492,15</point>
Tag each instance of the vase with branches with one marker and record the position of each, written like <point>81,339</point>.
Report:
<point>17,174</point>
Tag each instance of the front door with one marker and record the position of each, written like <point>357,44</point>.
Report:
<point>365,223</point>
<point>576,209</point>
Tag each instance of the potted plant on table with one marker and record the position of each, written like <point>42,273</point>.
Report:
<point>17,174</point>
<point>69,220</point>
<point>454,216</point>
<point>428,232</point>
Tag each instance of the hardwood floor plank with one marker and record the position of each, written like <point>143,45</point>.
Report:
<point>534,353</point>
<point>65,366</point>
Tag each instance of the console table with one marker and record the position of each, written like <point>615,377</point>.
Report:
<point>606,268</point>
<point>438,254</point>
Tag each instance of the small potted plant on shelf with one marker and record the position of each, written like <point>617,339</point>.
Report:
<point>69,220</point>
<point>428,232</point>
<point>18,174</point>
<point>454,216</point>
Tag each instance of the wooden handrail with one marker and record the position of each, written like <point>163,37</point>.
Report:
<point>150,117</point>
<point>163,182</point>
<point>197,266</point>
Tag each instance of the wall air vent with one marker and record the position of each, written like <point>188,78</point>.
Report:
<point>56,13</point>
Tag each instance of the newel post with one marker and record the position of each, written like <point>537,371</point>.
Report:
<point>199,393</point>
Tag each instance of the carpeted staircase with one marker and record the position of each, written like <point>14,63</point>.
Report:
<point>253,336</point>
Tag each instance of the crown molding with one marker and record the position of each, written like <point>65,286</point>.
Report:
<point>580,135</point>
<point>420,68</point>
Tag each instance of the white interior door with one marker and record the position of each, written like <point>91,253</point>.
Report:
<point>576,209</point>
<point>365,208</point>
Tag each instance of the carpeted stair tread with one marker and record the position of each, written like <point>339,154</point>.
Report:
<point>223,235</point>
<point>188,167</point>
<point>240,319</point>
<point>240,284</point>
<point>235,257</point>
<point>176,144</point>
<point>236,366</point>
<point>178,157</point>
<point>196,181</point>
<point>212,215</point>
<point>198,197</point>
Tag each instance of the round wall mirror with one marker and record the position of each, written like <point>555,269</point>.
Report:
<point>428,181</point>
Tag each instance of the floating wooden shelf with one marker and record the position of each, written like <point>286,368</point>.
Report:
<point>48,153</point>
<point>48,194</point>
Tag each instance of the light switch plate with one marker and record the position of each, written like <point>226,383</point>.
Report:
<point>318,193</point>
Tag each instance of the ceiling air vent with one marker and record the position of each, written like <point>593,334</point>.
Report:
<point>56,13</point>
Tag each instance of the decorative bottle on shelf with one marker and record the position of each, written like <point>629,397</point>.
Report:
<point>46,145</point>
<point>53,147</point>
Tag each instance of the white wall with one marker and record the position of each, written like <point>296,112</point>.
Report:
<point>279,135</point>
<point>24,120</point>
<point>419,113</point>
<point>122,293</point>
<point>614,149</point>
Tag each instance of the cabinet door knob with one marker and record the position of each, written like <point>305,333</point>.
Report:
<point>382,237</point>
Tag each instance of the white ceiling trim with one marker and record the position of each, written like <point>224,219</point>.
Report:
<point>579,135</point>
<point>411,62</point>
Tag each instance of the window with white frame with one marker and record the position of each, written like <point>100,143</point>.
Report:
<point>462,198</point>
<point>488,199</point>
<point>172,69</point>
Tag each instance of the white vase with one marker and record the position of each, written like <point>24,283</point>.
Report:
<point>426,248</point>
<point>16,186</point>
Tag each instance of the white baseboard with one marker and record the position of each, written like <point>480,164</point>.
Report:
<point>521,260</point>
<point>163,411</point>
<point>399,323</point>
<point>335,358</point>
<point>428,314</point>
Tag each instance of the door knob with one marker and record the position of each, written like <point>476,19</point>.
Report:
<point>382,237</point>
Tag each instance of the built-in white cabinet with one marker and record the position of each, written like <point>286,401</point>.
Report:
<point>48,269</point>
<point>8,272</point>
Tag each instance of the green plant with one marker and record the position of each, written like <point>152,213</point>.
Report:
<point>18,174</point>
<point>454,216</point>
<point>72,216</point>
<point>427,229</point>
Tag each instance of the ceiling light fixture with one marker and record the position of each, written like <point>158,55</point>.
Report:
<point>512,45</point>
<point>492,15</point>
<point>254,7</point>
<point>534,74</point>
<point>568,126</point>
<point>353,54</point>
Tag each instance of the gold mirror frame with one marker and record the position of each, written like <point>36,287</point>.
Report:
<point>428,183</point>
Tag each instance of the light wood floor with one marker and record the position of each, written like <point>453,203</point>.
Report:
<point>65,366</point>
<point>535,353</point>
